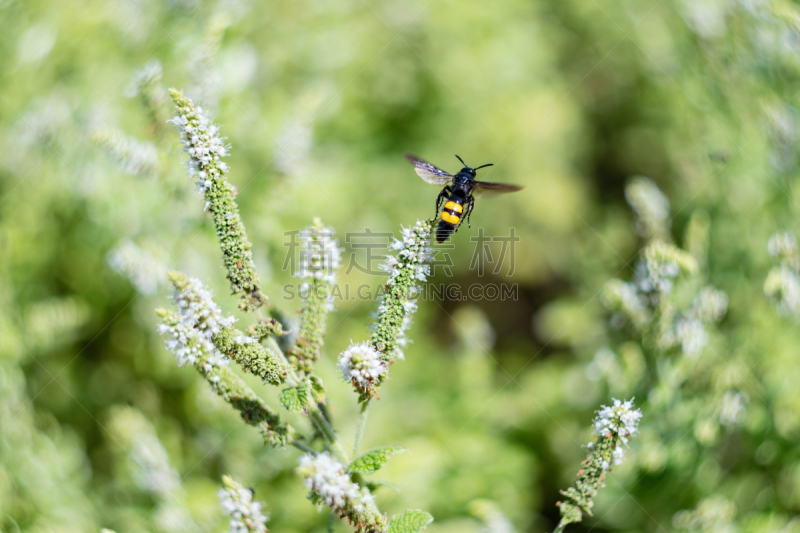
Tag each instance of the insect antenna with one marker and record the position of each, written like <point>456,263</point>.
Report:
<point>489,165</point>
<point>462,161</point>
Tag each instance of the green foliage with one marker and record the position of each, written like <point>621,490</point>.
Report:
<point>295,399</point>
<point>318,100</point>
<point>372,460</point>
<point>412,521</point>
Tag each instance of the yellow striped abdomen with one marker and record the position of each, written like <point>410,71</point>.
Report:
<point>452,212</point>
<point>450,218</point>
<point>458,208</point>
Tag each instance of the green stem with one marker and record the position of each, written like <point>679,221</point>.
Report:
<point>561,526</point>
<point>362,422</point>
<point>327,432</point>
<point>314,413</point>
<point>303,447</point>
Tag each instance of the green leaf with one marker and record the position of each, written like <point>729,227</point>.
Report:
<point>317,389</point>
<point>412,521</point>
<point>295,399</point>
<point>372,460</point>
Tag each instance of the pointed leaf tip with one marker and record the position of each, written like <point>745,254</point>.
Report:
<point>372,460</point>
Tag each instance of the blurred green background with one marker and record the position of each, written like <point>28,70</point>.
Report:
<point>319,99</point>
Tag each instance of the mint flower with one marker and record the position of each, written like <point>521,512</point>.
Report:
<point>645,302</point>
<point>733,408</point>
<point>190,345</point>
<point>710,305</point>
<point>691,335</point>
<point>661,265</point>
<point>714,514</point>
<point>651,206</point>
<point>405,270</point>
<point>361,364</point>
<point>134,157</point>
<point>237,502</point>
<point>320,253</point>
<point>137,264</point>
<point>782,285</point>
<point>782,245</point>
<point>202,325</point>
<point>156,475</point>
<point>146,84</point>
<point>197,307</point>
<point>329,484</point>
<point>146,459</point>
<point>620,419</point>
<point>625,299</point>
<point>613,425</point>
<point>320,257</point>
<point>206,148</point>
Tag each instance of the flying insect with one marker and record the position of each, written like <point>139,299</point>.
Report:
<point>457,194</point>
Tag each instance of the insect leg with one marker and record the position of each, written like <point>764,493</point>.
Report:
<point>470,205</point>
<point>442,196</point>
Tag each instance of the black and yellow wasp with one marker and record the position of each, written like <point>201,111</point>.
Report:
<point>458,193</point>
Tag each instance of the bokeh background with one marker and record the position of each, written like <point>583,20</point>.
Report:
<point>319,99</point>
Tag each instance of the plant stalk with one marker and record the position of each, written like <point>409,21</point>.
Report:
<point>328,432</point>
<point>362,422</point>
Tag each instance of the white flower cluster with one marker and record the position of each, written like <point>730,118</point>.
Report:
<point>203,143</point>
<point>653,276</point>
<point>200,320</point>
<point>783,286</point>
<point>710,305</point>
<point>197,308</point>
<point>134,157</point>
<point>713,514</point>
<point>650,204</point>
<point>783,281</point>
<point>320,253</point>
<point>707,19</point>
<point>689,329</point>
<point>627,302</point>
<point>733,408</point>
<point>154,473</point>
<point>42,123</point>
<point>138,265</point>
<point>143,78</point>
<point>620,419</point>
<point>414,253</point>
<point>326,477</point>
<point>170,515</point>
<point>237,502</point>
<point>783,132</point>
<point>782,245</point>
<point>691,335</point>
<point>361,364</point>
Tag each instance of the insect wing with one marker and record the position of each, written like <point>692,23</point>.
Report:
<point>487,188</point>
<point>428,172</point>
